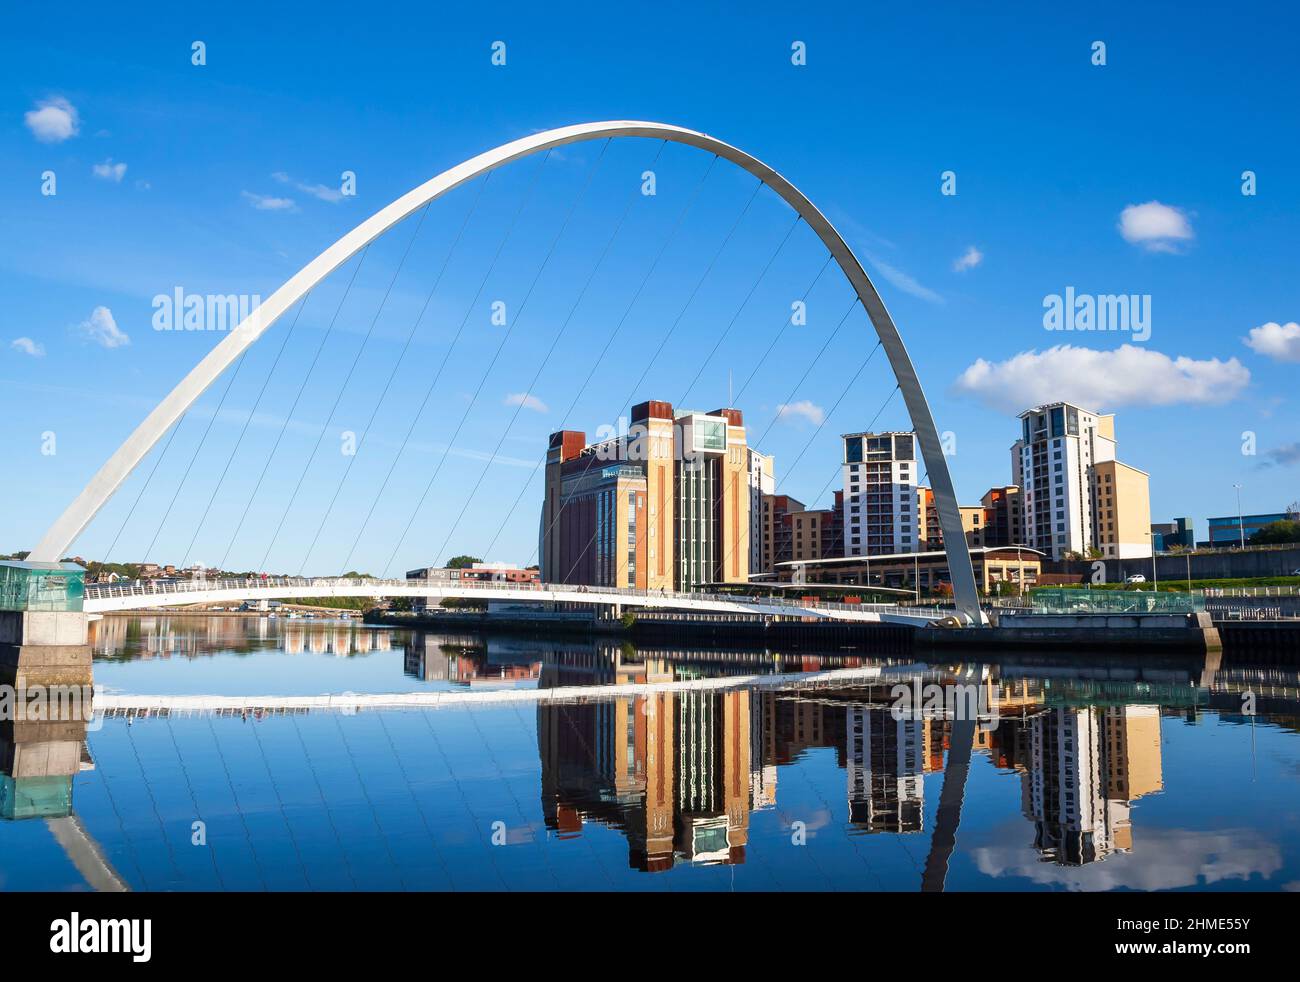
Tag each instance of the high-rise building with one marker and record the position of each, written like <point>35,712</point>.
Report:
<point>762,481</point>
<point>1076,496</point>
<point>879,509</point>
<point>664,506</point>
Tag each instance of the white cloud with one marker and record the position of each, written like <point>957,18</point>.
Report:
<point>904,281</point>
<point>1155,227</point>
<point>1281,342</point>
<point>803,408</point>
<point>110,171</point>
<point>28,347</point>
<point>266,202</point>
<point>971,258</point>
<point>102,329</point>
<point>1098,380</point>
<point>321,191</point>
<point>527,401</point>
<point>53,120</point>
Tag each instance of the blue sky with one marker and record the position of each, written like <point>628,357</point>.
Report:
<point>1122,178</point>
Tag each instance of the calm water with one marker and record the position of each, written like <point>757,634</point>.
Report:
<point>1143,774</point>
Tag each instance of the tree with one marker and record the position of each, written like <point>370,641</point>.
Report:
<point>462,562</point>
<point>1277,532</point>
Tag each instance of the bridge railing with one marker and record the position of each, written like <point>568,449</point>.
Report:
<point>250,586</point>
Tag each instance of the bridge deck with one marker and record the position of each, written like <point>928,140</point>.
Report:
<point>102,598</point>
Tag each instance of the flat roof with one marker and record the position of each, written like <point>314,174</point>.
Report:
<point>978,551</point>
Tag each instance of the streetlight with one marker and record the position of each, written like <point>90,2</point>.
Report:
<point>1241,524</point>
<point>1155,576</point>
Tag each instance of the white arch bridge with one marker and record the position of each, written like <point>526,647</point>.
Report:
<point>143,595</point>
<point>105,483</point>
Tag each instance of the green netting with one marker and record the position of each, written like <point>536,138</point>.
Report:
<point>1047,600</point>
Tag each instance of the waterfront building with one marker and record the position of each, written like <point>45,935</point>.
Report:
<point>477,572</point>
<point>1227,532</point>
<point>1003,522</point>
<point>778,530</point>
<point>663,506</point>
<point>997,569</point>
<point>817,533</point>
<point>973,520</point>
<point>879,501</point>
<point>1180,533</point>
<point>1077,497</point>
<point>762,482</point>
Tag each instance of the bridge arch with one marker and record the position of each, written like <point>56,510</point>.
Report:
<point>60,536</point>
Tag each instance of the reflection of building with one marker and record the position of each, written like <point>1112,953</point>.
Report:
<point>38,760</point>
<point>1083,767</point>
<point>885,760</point>
<point>678,772</point>
<point>664,506</point>
<point>467,661</point>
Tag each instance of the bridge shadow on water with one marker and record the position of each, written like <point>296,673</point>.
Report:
<point>599,765</point>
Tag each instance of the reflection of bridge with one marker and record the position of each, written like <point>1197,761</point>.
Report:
<point>134,596</point>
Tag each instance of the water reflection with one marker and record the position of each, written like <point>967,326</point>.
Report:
<point>674,762</point>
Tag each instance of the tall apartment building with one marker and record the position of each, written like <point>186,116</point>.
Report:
<point>762,482</point>
<point>879,509</point>
<point>664,506</point>
<point>1076,496</point>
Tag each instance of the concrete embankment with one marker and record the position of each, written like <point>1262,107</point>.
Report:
<point>1042,632</point>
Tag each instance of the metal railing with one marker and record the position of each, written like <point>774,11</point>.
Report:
<point>310,586</point>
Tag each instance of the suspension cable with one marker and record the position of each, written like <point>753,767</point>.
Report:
<point>346,379</point>
<point>284,425</point>
<point>383,393</point>
<point>497,354</point>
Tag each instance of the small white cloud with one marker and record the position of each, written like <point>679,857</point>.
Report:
<point>110,171</point>
<point>28,347</point>
<point>1281,342</point>
<point>321,191</point>
<point>527,401</point>
<point>53,120</point>
<point>971,258</point>
<point>102,329</point>
<point>1155,227</point>
<point>267,202</point>
<point>803,409</point>
<point>1129,375</point>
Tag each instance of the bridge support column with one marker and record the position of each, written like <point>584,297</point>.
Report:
<point>43,629</point>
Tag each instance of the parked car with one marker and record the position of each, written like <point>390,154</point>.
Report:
<point>1136,578</point>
